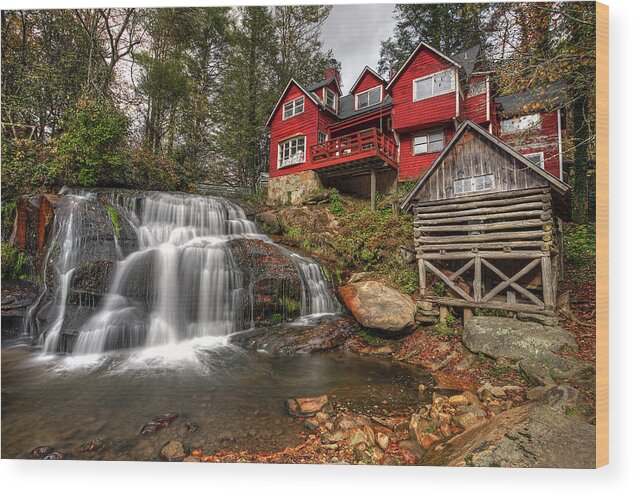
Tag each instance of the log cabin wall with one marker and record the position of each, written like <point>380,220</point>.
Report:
<point>491,251</point>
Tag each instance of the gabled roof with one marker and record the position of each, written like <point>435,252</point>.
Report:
<point>421,45</point>
<point>322,83</point>
<point>279,101</point>
<point>468,58</point>
<point>548,97</point>
<point>556,184</point>
<point>365,69</point>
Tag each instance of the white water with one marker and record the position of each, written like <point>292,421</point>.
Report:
<point>181,283</point>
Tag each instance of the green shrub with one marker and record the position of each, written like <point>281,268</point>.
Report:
<point>16,264</point>
<point>407,280</point>
<point>580,245</point>
<point>336,206</point>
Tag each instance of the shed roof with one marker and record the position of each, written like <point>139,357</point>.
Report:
<point>555,184</point>
<point>546,97</point>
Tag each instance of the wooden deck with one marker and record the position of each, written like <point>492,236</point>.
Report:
<point>360,151</point>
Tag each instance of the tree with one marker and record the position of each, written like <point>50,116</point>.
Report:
<point>451,28</point>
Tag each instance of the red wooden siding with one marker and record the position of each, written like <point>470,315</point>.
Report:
<point>368,81</point>
<point>409,114</point>
<point>545,139</point>
<point>413,166</point>
<point>304,124</point>
<point>476,106</point>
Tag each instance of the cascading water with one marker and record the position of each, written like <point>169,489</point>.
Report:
<point>181,282</point>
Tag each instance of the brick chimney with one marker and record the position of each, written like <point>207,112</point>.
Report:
<point>333,72</point>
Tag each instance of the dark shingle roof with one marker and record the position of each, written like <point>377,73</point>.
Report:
<point>322,83</point>
<point>543,98</point>
<point>346,106</point>
<point>468,59</point>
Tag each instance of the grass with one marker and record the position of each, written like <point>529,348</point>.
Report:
<point>114,218</point>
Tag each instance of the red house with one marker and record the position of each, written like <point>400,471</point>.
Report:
<point>388,131</point>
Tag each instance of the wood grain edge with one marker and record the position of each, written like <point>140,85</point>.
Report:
<point>602,226</point>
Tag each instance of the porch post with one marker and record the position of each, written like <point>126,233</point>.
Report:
<point>373,189</point>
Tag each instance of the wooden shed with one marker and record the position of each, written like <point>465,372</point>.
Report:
<point>488,227</point>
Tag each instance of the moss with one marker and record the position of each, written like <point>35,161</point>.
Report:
<point>16,264</point>
<point>277,318</point>
<point>9,209</point>
<point>371,339</point>
<point>114,218</point>
<point>291,305</point>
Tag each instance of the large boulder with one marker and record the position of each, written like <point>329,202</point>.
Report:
<point>309,219</point>
<point>531,435</point>
<point>376,306</point>
<point>513,339</point>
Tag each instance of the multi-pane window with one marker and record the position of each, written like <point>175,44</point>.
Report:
<point>536,158</point>
<point>322,137</point>
<point>477,87</point>
<point>291,151</point>
<point>518,124</point>
<point>434,85</point>
<point>294,107</point>
<point>331,98</point>
<point>368,98</point>
<point>428,142</point>
<point>473,184</point>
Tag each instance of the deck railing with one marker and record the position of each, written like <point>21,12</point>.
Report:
<point>344,148</point>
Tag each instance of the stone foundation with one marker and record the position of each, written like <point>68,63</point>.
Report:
<point>293,189</point>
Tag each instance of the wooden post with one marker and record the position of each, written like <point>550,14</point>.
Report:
<point>467,314</point>
<point>443,312</point>
<point>373,189</point>
<point>477,279</point>
<point>547,282</point>
<point>422,277</point>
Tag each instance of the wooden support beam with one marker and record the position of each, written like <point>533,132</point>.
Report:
<point>450,283</point>
<point>485,227</point>
<point>535,213</point>
<point>518,307</point>
<point>534,244</point>
<point>489,195</point>
<point>373,189</point>
<point>477,279</point>
<point>506,281</point>
<point>547,282</point>
<point>464,268</point>
<point>422,277</point>
<point>544,199</point>
<point>486,254</point>
<point>538,234</point>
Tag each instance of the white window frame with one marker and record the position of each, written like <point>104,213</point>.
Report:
<point>356,97</point>
<point>477,183</point>
<point>522,123</point>
<point>432,76</point>
<point>295,104</point>
<point>292,159</point>
<point>319,134</point>
<point>541,158</point>
<point>334,98</point>
<point>427,134</point>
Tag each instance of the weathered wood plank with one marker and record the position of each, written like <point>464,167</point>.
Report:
<point>545,199</point>
<point>481,238</point>
<point>488,195</point>
<point>451,256</point>
<point>530,206</point>
<point>499,225</point>
<point>533,244</point>
<point>460,271</point>
<point>477,279</point>
<point>536,213</point>
<point>518,307</point>
<point>422,277</point>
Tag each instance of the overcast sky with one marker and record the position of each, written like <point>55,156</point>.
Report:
<point>354,33</point>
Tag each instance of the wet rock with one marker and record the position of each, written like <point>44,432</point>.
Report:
<point>191,427</point>
<point>531,435</point>
<point>307,407</point>
<point>173,451</point>
<point>91,446</point>
<point>376,306</point>
<point>285,339</point>
<point>56,454</point>
<point>270,219</point>
<point>274,280</point>
<point>502,337</point>
<point>40,452</point>
<point>157,423</point>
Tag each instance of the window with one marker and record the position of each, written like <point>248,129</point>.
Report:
<point>536,158</point>
<point>322,137</point>
<point>473,184</point>
<point>291,151</point>
<point>331,98</point>
<point>476,88</point>
<point>434,85</point>
<point>370,97</point>
<point>428,142</point>
<point>518,124</point>
<point>293,108</point>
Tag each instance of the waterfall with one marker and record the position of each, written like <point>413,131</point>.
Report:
<point>181,280</point>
